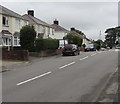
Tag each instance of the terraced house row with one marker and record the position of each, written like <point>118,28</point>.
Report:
<point>11,23</point>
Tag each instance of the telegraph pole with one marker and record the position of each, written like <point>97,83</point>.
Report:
<point>100,38</point>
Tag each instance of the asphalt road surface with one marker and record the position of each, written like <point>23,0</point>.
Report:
<point>60,79</point>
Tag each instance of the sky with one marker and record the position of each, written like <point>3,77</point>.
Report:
<point>88,17</point>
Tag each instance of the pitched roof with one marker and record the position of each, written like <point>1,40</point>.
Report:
<point>5,33</point>
<point>82,36</point>
<point>59,28</point>
<point>8,12</point>
<point>34,20</point>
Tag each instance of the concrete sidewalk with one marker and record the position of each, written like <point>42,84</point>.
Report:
<point>4,64</point>
<point>110,92</point>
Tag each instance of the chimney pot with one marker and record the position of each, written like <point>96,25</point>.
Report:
<point>31,12</point>
<point>56,22</point>
<point>72,29</point>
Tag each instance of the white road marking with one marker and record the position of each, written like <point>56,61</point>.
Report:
<point>99,52</point>
<point>33,78</point>
<point>66,65</point>
<point>84,58</point>
<point>93,54</point>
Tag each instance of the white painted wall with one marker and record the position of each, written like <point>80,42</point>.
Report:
<point>59,35</point>
<point>85,41</point>
<point>12,26</point>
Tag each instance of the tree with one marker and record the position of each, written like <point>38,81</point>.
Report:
<point>27,37</point>
<point>112,35</point>
<point>99,43</point>
<point>73,39</point>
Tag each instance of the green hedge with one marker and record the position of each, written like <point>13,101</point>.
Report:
<point>46,44</point>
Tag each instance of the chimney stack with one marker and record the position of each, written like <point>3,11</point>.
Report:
<point>31,12</point>
<point>56,22</point>
<point>72,29</point>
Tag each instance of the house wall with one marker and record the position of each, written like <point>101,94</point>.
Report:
<point>12,26</point>
<point>52,33</point>
<point>59,35</point>
<point>47,31</point>
<point>0,22</point>
<point>85,41</point>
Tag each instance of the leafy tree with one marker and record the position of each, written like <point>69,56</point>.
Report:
<point>99,43</point>
<point>27,37</point>
<point>73,39</point>
<point>112,35</point>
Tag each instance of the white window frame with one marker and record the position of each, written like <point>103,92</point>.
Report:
<point>17,23</point>
<point>17,39</point>
<point>6,20</point>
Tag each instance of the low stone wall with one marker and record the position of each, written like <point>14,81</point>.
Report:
<point>15,55</point>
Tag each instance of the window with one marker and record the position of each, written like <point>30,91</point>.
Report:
<point>6,39</point>
<point>40,35</point>
<point>17,23</point>
<point>5,20</point>
<point>18,41</point>
<point>15,41</point>
<point>0,41</point>
<point>9,42</point>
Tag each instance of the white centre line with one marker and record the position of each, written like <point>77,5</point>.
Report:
<point>33,78</point>
<point>66,65</point>
<point>84,58</point>
<point>93,54</point>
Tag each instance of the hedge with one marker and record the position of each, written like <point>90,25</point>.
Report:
<point>46,44</point>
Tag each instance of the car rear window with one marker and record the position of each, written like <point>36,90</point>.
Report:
<point>68,47</point>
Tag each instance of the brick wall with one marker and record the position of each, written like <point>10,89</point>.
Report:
<point>15,55</point>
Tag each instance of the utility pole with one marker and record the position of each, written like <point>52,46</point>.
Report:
<point>100,38</point>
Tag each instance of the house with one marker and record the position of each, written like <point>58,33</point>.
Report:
<point>10,25</point>
<point>83,36</point>
<point>59,32</point>
<point>43,29</point>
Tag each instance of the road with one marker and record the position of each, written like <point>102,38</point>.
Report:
<point>60,79</point>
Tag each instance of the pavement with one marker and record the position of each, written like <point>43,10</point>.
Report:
<point>63,79</point>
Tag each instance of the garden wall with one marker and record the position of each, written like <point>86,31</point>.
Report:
<point>15,55</point>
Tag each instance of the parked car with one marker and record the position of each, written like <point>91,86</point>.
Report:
<point>70,49</point>
<point>90,47</point>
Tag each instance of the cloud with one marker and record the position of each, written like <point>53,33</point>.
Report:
<point>89,17</point>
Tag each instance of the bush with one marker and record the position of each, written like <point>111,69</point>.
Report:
<point>46,44</point>
<point>27,37</point>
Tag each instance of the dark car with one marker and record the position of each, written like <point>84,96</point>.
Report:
<point>70,49</point>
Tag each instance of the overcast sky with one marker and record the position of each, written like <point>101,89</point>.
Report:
<point>89,17</point>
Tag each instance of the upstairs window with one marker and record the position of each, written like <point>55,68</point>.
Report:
<point>17,23</point>
<point>5,20</point>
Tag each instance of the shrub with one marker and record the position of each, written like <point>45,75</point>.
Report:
<point>27,37</point>
<point>46,44</point>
